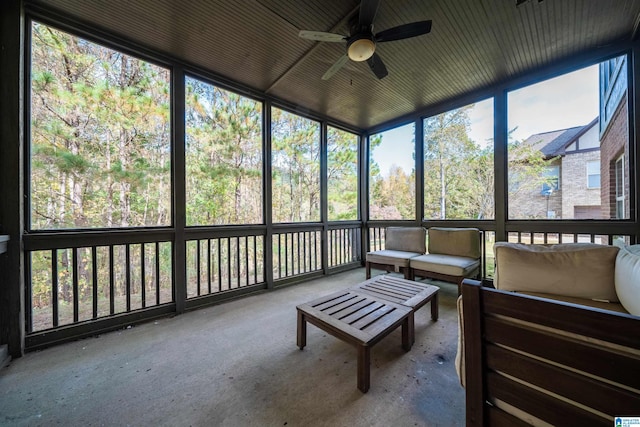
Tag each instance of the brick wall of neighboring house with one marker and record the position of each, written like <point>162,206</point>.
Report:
<point>574,183</point>
<point>613,143</point>
<point>526,202</point>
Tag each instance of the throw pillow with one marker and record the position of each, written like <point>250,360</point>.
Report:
<point>580,270</point>
<point>627,278</point>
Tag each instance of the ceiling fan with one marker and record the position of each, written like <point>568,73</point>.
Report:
<point>361,44</point>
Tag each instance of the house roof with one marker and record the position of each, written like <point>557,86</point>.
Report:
<point>472,47</point>
<point>554,143</point>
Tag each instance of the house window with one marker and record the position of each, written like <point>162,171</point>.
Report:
<point>620,188</point>
<point>550,180</point>
<point>593,174</point>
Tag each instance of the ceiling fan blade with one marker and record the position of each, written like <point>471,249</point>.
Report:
<point>335,67</point>
<point>404,31</point>
<point>368,9</point>
<point>377,66</point>
<point>320,36</point>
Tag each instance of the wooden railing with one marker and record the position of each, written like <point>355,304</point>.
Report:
<point>78,277</point>
<point>220,264</point>
<point>112,278</point>
<point>296,252</point>
<point>86,281</point>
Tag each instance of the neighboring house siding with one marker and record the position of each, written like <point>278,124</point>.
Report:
<point>614,143</point>
<point>574,184</point>
<point>527,202</point>
<point>571,151</point>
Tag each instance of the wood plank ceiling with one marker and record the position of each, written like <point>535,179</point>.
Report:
<point>473,45</point>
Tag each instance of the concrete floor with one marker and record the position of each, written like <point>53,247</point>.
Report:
<point>218,367</point>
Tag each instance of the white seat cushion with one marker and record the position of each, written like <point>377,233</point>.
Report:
<point>391,257</point>
<point>445,264</point>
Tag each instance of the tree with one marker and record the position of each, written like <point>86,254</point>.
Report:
<point>99,148</point>
<point>447,149</point>
<point>391,196</point>
<point>295,168</point>
<point>223,156</point>
<point>342,175</point>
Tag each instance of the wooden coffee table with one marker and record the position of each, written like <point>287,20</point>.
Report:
<point>357,318</point>
<point>401,291</point>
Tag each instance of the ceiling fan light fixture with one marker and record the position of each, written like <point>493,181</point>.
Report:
<point>361,49</point>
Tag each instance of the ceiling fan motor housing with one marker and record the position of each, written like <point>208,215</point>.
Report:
<point>360,47</point>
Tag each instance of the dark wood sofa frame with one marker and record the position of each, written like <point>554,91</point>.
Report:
<point>504,357</point>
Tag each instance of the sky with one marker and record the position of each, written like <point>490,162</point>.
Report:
<point>559,103</point>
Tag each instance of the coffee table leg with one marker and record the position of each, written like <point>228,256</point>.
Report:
<point>364,367</point>
<point>302,330</point>
<point>434,307</point>
<point>408,332</point>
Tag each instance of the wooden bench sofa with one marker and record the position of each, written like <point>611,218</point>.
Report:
<point>535,361</point>
<point>558,341</point>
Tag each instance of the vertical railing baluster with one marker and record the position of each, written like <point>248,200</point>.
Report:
<point>74,279</point>
<point>127,251</point>
<point>343,240</point>
<point>219,265</point>
<point>198,273</point>
<point>376,238</point>
<point>157,258</point>
<point>330,247</point>
<point>255,260</point>
<point>279,255</point>
<point>316,242</point>
<point>209,265</point>
<point>306,238</point>
<point>143,286</point>
<point>286,254</point>
<point>54,287</point>
<point>298,252</point>
<point>228,262</point>
<point>94,279</point>
<point>238,261</point>
<point>347,245</point>
<point>373,235</point>
<point>246,260</point>
<point>336,247</point>
<point>112,278</point>
<point>312,251</point>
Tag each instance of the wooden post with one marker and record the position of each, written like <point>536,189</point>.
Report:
<point>11,175</point>
<point>473,363</point>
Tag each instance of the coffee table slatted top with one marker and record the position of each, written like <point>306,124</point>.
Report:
<point>401,291</point>
<point>361,316</point>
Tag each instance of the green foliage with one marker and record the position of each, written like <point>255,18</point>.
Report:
<point>296,168</point>
<point>450,179</point>
<point>342,175</point>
